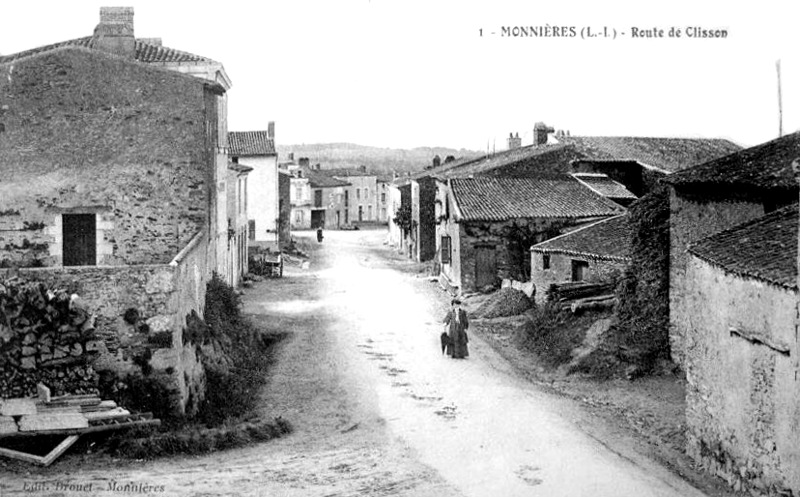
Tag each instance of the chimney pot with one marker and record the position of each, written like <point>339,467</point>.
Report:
<point>540,132</point>
<point>437,161</point>
<point>514,141</point>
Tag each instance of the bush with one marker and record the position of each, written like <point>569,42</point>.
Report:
<point>552,334</point>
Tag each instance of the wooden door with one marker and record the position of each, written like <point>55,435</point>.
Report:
<point>485,266</point>
<point>80,239</point>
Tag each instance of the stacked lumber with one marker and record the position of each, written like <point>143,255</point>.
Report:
<point>592,303</point>
<point>47,413</point>
<point>560,292</point>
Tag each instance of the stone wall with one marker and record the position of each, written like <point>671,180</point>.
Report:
<point>692,220</point>
<point>87,133</point>
<point>427,219</point>
<point>742,395</point>
<point>138,309</point>
<point>508,263</point>
<point>560,271</point>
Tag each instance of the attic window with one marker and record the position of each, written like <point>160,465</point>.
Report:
<point>545,261</point>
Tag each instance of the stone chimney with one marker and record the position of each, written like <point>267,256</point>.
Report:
<point>271,130</point>
<point>152,41</point>
<point>303,161</point>
<point>514,141</point>
<point>114,34</point>
<point>540,132</point>
<point>437,161</point>
<point>449,158</point>
<point>363,169</point>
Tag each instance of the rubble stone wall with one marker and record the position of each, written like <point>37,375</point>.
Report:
<point>742,395</point>
<point>88,133</point>
<point>692,220</point>
<point>560,271</point>
<point>138,309</point>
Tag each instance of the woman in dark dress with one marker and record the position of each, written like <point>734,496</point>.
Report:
<point>456,324</point>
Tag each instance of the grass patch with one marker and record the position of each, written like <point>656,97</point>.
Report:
<point>552,334</point>
<point>194,440</point>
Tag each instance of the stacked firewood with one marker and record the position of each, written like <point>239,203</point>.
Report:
<point>581,296</point>
<point>46,336</point>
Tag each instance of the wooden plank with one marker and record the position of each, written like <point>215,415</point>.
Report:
<point>110,414</point>
<point>17,407</point>
<point>59,450</point>
<point>21,456</point>
<point>118,424</point>
<point>55,421</point>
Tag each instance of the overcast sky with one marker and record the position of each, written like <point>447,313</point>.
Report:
<point>418,73</point>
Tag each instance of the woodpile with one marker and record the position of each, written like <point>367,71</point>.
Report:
<point>580,296</point>
<point>46,336</point>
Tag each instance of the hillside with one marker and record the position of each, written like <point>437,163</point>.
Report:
<point>380,160</point>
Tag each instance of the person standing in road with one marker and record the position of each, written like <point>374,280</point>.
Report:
<point>456,324</point>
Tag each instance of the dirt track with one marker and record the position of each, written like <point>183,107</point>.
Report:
<point>378,411</point>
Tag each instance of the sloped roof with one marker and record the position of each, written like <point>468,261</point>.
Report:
<point>145,52</point>
<point>500,199</point>
<point>489,162</point>
<point>668,154</point>
<point>438,171</point>
<point>605,186</point>
<point>607,239</point>
<point>239,168</point>
<point>248,143</point>
<point>764,248</point>
<point>348,172</point>
<point>317,180</point>
<point>764,166</point>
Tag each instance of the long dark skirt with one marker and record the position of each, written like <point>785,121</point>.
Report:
<point>458,339</point>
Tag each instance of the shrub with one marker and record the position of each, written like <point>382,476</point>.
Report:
<point>552,334</point>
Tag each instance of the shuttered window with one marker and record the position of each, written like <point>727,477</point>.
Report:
<point>445,250</point>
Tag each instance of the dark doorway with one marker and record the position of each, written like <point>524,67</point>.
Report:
<point>317,219</point>
<point>579,270</point>
<point>485,266</point>
<point>360,213</point>
<point>80,239</point>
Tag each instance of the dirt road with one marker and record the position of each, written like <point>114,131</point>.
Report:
<point>378,410</point>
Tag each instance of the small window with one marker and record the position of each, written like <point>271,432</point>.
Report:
<point>545,261</point>
<point>358,194</point>
<point>251,229</point>
<point>445,249</point>
<point>579,270</point>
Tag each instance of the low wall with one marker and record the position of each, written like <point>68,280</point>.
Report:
<point>140,313</point>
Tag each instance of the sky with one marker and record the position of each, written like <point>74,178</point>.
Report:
<point>409,73</point>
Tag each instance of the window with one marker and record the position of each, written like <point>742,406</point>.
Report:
<point>369,213</point>
<point>545,261</point>
<point>579,270</point>
<point>317,198</point>
<point>445,249</point>
<point>347,199</point>
<point>446,207</point>
<point>383,198</point>
<point>80,239</point>
<point>251,229</point>
<point>358,194</point>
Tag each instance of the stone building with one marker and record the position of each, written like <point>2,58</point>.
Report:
<point>718,195</point>
<point>284,206</point>
<point>114,187</point>
<point>238,225</point>
<point>740,348</point>
<point>300,200</point>
<point>489,224</point>
<point>598,252</point>
<point>256,149</point>
<point>327,208</point>
<point>361,197</point>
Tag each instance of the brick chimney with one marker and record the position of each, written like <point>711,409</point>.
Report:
<point>437,161</point>
<point>540,132</point>
<point>271,130</point>
<point>514,141</point>
<point>303,161</point>
<point>114,34</point>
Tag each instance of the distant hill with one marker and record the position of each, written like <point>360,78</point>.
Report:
<point>379,160</point>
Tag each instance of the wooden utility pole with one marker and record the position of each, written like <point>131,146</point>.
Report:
<point>780,103</point>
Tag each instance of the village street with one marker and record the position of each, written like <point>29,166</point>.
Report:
<point>377,410</point>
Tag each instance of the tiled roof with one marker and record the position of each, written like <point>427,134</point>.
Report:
<point>499,199</point>
<point>145,52</point>
<point>668,154</point>
<point>243,143</point>
<point>604,185</point>
<point>489,162</point>
<point>764,248</point>
<point>345,172</point>
<point>767,166</point>
<point>606,239</point>
<point>317,180</point>
<point>438,171</point>
<point>239,168</point>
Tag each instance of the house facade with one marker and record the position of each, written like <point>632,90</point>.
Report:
<point>238,225</point>
<point>300,201</point>
<point>718,195</point>
<point>741,354</point>
<point>328,207</point>
<point>599,252</point>
<point>256,149</point>
<point>361,197</point>
<point>489,224</point>
<point>115,188</point>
